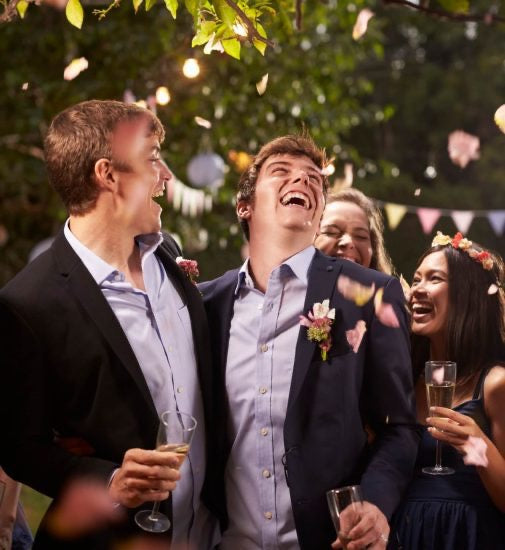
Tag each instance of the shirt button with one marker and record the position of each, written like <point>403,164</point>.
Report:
<point>180,389</point>
<point>263,390</point>
<point>268,515</point>
<point>266,474</point>
<point>264,347</point>
<point>264,431</point>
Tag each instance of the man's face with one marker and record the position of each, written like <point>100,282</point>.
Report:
<point>288,197</point>
<point>142,175</point>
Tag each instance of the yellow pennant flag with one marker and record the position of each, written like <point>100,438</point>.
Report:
<point>394,213</point>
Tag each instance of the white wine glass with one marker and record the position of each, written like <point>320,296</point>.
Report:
<point>345,506</point>
<point>440,379</point>
<point>174,435</point>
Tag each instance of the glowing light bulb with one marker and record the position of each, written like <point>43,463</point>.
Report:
<point>162,95</point>
<point>191,69</point>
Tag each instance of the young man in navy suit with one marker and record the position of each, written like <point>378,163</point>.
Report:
<point>104,331</point>
<point>295,410</point>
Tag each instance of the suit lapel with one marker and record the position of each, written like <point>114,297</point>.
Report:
<point>322,278</point>
<point>85,290</point>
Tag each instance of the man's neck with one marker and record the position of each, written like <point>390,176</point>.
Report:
<point>266,255</point>
<point>110,243</point>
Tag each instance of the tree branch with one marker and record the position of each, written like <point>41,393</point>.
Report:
<point>488,17</point>
<point>252,31</point>
<point>298,9</point>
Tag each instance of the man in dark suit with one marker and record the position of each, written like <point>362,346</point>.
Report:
<point>296,409</point>
<point>104,331</point>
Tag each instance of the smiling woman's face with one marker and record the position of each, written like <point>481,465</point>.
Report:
<point>429,298</point>
<point>345,233</point>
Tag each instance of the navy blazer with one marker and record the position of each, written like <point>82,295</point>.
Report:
<point>330,402</point>
<point>67,367</point>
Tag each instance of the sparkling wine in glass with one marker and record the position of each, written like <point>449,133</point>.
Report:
<point>440,378</point>
<point>345,506</point>
<point>174,435</point>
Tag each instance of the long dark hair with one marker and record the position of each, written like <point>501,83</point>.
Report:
<point>476,318</point>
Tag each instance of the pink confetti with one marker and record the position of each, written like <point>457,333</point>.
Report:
<point>463,148</point>
<point>475,452</point>
<point>361,25</point>
<point>74,68</point>
<point>385,312</point>
<point>355,335</point>
<point>356,292</point>
<point>493,289</point>
<point>437,375</point>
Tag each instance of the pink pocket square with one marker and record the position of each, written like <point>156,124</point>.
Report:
<point>355,335</point>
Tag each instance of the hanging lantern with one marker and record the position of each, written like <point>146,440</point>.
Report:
<point>206,170</point>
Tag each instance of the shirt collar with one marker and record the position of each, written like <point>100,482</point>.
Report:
<point>99,269</point>
<point>299,265</point>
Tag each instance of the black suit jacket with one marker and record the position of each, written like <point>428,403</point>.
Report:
<point>331,401</point>
<point>67,367</point>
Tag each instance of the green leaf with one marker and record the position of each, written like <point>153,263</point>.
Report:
<point>232,47</point>
<point>136,4</point>
<point>224,12</point>
<point>150,4</point>
<point>192,6</point>
<point>172,6</point>
<point>74,13</point>
<point>455,6</point>
<point>259,45</point>
<point>22,6</point>
<point>203,33</point>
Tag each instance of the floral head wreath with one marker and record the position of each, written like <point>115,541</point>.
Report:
<point>460,243</point>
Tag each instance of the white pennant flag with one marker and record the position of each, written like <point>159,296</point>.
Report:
<point>462,219</point>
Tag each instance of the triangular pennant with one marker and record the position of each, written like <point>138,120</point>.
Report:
<point>394,213</point>
<point>463,219</point>
<point>428,218</point>
<point>497,220</point>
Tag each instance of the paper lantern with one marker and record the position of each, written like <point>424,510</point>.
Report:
<point>206,170</point>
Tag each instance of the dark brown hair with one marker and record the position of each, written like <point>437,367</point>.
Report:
<point>77,138</point>
<point>380,258</point>
<point>476,320</point>
<point>294,145</point>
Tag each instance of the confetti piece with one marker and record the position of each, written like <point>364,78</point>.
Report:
<point>417,192</point>
<point>385,312</point>
<point>356,292</point>
<point>355,335</point>
<point>361,25</point>
<point>74,68</point>
<point>203,122</point>
<point>25,85</point>
<point>493,289</point>
<point>499,118</point>
<point>475,452</point>
<point>261,86</point>
<point>437,375</point>
<point>463,148</point>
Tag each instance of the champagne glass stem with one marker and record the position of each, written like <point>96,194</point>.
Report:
<point>156,507</point>
<point>438,455</point>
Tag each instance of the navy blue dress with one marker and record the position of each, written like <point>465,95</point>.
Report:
<point>450,512</point>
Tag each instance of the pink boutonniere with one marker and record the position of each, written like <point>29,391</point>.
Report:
<point>190,267</point>
<point>318,323</point>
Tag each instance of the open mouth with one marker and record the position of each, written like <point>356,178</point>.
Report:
<point>159,192</point>
<point>419,310</point>
<point>295,198</point>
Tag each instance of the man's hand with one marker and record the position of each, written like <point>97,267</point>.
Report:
<point>144,476</point>
<point>370,531</point>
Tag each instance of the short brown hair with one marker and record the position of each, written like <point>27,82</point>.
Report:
<point>77,138</point>
<point>380,258</point>
<point>294,145</point>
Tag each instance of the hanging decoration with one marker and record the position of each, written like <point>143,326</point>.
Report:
<point>206,170</point>
<point>190,202</point>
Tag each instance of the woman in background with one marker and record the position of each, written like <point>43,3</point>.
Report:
<point>457,305</point>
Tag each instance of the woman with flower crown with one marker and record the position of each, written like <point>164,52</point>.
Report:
<point>457,305</point>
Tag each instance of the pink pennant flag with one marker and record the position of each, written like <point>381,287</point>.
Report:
<point>428,218</point>
<point>462,219</point>
<point>497,220</point>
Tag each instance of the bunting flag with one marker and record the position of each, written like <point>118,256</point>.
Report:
<point>428,217</point>
<point>394,213</point>
<point>191,202</point>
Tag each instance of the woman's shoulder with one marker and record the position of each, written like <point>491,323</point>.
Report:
<point>494,390</point>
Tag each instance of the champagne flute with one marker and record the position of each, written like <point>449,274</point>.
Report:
<point>345,509</point>
<point>440,379</point>
<point>174,435</point>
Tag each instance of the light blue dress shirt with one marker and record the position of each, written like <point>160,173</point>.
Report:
<point>261,353</point>
<point>158,327</point>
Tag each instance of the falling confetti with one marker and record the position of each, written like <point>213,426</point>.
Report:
<point>493,289</point>
<point>437,375</point>
<point>463,148</point>
<point>385,312</point>
<point>361,25</point>
<point>475,449</point>
<point>74,68</point>
<point>261,86</point>
<point>203,122</point>
<point>499,118</point>
<point>356,292</point>
<point>417,192</point>
<point>24,87</point>
<point>355,335</point>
